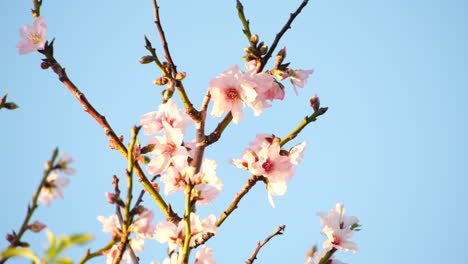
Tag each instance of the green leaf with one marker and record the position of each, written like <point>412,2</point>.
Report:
<point>80,239</point>
<point>20,252</point>
<point>64,261</point>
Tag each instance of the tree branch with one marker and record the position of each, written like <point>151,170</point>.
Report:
<point>278,231</point>
<point>280,35</point>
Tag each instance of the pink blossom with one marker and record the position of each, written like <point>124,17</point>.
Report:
<point>110,224</point>
<point>204,255</point>
<point>168,150</point>
<point>34,37</point>
<point>229,91</point>
<point>174,235</point>
<point>52,188</point>
<point>168,115</point>
<point>136,244</point>
<point>299,78</point>
<point>266,86</point>
<point>63,163</point>
<point>203,195</point>
<point>142,226</point>
<point>174,180</point>
<point>265,157</point>
<point>295,154</point>
<point>208,175</point>
<point>337,227</point>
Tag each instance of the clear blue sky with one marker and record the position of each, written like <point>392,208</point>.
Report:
<point>392,148</point>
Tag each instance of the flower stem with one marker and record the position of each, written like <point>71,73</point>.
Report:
<point>188,229</point>
<point>304,123</point>
<point>245,22</point>
<point>327,256</point>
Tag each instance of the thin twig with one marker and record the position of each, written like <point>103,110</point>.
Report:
<point>16,238</point>
<point>247,186</point>
<point>280,34</point>
<point>327,256</point>
<point>278,231</point>
<point>115,140</point>
<point>307,120</point>
<point>191,111</point>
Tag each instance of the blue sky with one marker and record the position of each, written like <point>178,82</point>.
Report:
<point>392,146</point>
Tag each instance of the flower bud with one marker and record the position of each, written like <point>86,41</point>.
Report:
<point>36,226</point>
<point>180,76</point>
<point>254,39</point>
<point>160,81</point>
<point>45,65</point>
<point>263,49</point>
<point>111,198</point>
<point>315,102</point>
<point>280,56</point>
<point>146,59</point>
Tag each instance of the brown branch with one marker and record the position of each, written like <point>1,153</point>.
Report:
<point>233,206</point>
<point>191,111</point>
<point>278,231</point>
<point>216,134</point>
<point>280,35</point>
<point>114,139</point>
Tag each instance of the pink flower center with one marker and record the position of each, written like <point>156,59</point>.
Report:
<point>336,240</point>
<point>268,165</point>
<point>232,94</point>
<point>170,148</point>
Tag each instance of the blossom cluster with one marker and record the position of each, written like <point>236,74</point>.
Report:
<point>53,183</point>
<point>338,228</point>
<point>265,157</point>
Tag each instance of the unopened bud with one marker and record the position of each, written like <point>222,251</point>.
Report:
<point>155,186</point>
<point>10,237</point>
<point>263,49</point>
<point>254,39</point>
<point>180,76</point>
<point>111,198</point>
<point>315,102</point>
<point>280,56</point>
<point>167,94</point>
<point>146,59</point>
<point>45,65</point>
<point>161,81</point>
<point>36,226</point>
<point>10,106</point>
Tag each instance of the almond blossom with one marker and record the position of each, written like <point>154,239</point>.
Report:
<point>204,255</point>
<point>174,235</point>
<point>52,188</point>
<point>265,157</point>
<point>299,78</point>
<point>168,150</point>
<point>229,91</point>
<point>338,228</point>
<point>168,115</point>
<point>34,37</point>
<point>135,243</point>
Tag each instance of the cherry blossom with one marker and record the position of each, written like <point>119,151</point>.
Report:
<point>34,37</point>
<point>338,229</point>
<point>168,115</point>
<point>204,255</point>
<point>52,188</point>
<point>299,78</point>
